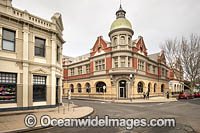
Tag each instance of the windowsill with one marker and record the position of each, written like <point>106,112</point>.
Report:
<point>8,51</point>
<point>39,103</point>
<point>40,59</point>
<point>35,56</point>
<point>99,70</point>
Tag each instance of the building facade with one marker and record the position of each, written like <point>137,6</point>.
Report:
<point>119,69</point>
<point>176,84</point>
<point>30,57</point>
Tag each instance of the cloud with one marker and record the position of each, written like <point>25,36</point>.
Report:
<point>85,20</point>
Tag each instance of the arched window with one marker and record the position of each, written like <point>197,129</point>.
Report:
<point>154,88</point>
<point>129,40</point>
<point>149,87</point>
<point>79,88</point>
<point>72,88</point>
<point>88,89</point>
<point>100,87</point>
<point>140,87</point>
<point>162,87</point>
<point>122,40</point>
<point>115,41</point>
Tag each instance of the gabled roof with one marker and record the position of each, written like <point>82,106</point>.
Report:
<point>58,18</point>
<point>154,57</point>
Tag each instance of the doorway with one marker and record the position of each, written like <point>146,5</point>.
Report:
<point>122,89</point>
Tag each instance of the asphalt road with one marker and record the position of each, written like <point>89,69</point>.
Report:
<point>186,113</point>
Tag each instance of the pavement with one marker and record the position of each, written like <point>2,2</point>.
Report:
<point>185,112</point>
<point>150,100</point>
<point>13,121</point>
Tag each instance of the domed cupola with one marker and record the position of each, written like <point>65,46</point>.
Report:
<point>121,29</point>
<point>121,23</point>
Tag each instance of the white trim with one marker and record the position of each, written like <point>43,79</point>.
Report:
<point>8,105</point>
<point>39,103</point>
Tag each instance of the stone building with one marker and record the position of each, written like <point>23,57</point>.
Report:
<point>31,59</point>
<point>176,83</point>
<point>119,69</point>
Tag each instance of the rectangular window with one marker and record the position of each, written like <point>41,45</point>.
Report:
<point>72,71</point>
<point>103,65</point>
<point>39,88</point>
<point>129,62</point>
<point>100,65</point>
<point>80,70</point>
<point>167,73</point>
<point>96,66</point>
<point>8,40</point>
<point>8,87</point>
<point>88,68</point>
<point>57,53</point>
<point>154,70</point>
<point>141,65</point>
<point>122,61</point>
<point>163,72</point>
<point>149,68</point>
<point>116,62</point>
<point>39,47</point>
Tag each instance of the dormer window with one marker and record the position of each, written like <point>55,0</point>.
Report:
<point>141,49</point>
<point>99,49</point>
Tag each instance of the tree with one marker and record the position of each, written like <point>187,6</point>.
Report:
<point>190,58</point>
<point>170,48</point>
<point>187,53</point>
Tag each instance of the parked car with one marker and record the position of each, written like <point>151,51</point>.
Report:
<point>185,95</point>
<point>197,94</point>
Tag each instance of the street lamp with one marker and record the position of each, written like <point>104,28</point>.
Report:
<point>131,76</point>
<point>104,91</point>
<point>131,80</point>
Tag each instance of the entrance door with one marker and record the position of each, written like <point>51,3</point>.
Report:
<point>122,89</point>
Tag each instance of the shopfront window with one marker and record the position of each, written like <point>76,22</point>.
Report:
<point>39,88</point>
<point>8,87</point>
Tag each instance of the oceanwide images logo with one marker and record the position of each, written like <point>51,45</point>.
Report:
<point>128,123</point>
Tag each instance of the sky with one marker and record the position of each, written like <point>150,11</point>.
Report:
<point>85,20</point>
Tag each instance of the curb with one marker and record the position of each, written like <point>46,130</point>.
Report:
<point>40,127</point>
<point>123,102</point>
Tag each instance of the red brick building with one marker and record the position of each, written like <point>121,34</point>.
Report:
<point>120,68</point>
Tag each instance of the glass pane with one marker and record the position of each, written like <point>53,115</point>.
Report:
<point>8,35</point>
<point>39,42</point>
<point>7,45</point>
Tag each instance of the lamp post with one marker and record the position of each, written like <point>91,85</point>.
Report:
<point>131,80</point>
<point>104,91</point>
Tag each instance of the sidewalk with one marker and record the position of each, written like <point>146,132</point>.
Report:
<point>14,121</point>
<point>150,100</point>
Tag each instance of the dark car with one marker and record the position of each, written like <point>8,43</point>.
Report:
<point>185,95</point>
<point>197,94</point>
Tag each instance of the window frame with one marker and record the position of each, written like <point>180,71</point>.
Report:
<point>12,84</point>
<point>57,53</point>
<point>44,48</point>
<point>39,84</point>
<point>14,42</point>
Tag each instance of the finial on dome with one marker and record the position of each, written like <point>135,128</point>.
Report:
<point>120,13</point>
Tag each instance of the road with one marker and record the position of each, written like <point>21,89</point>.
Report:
<point>186,113</point>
